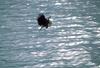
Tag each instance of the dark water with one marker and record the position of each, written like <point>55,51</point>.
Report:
<point>73,40</point>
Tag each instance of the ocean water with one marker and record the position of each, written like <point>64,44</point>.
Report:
<point>73,40</point>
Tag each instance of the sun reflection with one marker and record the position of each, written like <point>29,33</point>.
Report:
<point>39,54</point>
<point>54,63</point>
<point>62,50</point>
<point>28,20</point>
<point>27,4</point>
<point>38,66</point>
<point>74,55</point>
<point>61,44</point>
<point>77,43</point>
<point>80,36</point>
<point>29,27</point>
<point>43,5</point>
<point>63,0</point>
<point>75,25</point>
<point>98,35</point>
<point>58,4</point>
<point>57,63</point>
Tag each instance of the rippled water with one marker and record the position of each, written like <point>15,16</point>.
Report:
<point>73,40</point>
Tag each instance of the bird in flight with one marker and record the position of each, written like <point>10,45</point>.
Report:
<point>43,21</point>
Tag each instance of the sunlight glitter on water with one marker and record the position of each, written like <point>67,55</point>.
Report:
<point>71,42</point>
<point>58,4</point>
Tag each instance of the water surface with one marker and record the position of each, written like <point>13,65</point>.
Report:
<point>73,40</point>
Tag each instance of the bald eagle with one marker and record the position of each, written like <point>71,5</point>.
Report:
<point>43,22</point>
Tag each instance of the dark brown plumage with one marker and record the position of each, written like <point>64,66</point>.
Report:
<point>43,22</point>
